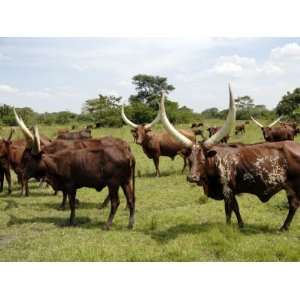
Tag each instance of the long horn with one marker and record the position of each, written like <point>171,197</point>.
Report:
<point>12,130</point>
<point>28,135</point>
<point>126,120</point>
<point>272,124</point>
<point>36,147</point>
<point>169,127</point>
<point>256,122</point>
<point>229,123</point>
<point>157,119</point>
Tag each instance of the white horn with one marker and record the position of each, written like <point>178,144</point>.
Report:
<point>276,121</point>
<point>126,120</point>
<point>256,122</point>
<point>36,149</point>
<point>28,135</point>
<point>169,127</point>
<point>229,123</point>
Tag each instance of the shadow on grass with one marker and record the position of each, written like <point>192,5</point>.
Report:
<point>172,233</point>
<point>162,174</point>
<point>56,205</point>
<point>82,222</point>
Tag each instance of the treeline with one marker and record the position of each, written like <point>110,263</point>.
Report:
<point>105,110</point>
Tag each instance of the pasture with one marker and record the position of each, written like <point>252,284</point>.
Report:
<point>175,221</point>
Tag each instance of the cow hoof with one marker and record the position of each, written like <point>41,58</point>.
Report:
<point>241,225</point>
<point>283,229</point>
<point>106,227</point>
<point>61,207</point>
<point>130,226</point>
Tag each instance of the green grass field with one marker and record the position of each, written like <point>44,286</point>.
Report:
<point>175,221</point>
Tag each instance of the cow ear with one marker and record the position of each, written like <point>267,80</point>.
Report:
<point>210,153</point>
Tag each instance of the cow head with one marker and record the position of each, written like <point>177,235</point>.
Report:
<point>4,146</point>
<point>202,154</point>
<point>140,132</point>
<point>31,161</point>
<point>266,130</point>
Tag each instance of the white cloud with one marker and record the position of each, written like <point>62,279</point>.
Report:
<point>5,88</point>
<point>288,51</point>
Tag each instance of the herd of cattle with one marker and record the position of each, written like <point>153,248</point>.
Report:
<point>74,160</point>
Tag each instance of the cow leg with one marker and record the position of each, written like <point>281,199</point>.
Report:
<point>105,202</point>
<point>8,179</point>
<point>115,201</point>
<point>26,187</point>
<point>156,163</point>
<point>235,207</point>
<point>293,205</point>
<point>228,210</point>
<point>184,164</point>
<point>72,201</point>
<point>1,180</point>
<point>64,200</point>
<point>130,203</point>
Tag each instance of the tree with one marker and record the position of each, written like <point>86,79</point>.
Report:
<point>104,110</point>
<point>149,89</point>
<point>289,103</point>
<point>244,103</point>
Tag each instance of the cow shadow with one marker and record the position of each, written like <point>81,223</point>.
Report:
<point>162,174</point>
<point>56,205</point>
<point>164,236</point>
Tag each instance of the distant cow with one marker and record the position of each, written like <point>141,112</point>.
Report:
<point>82,134</point>
<point>110,165</point>
<point>89,127</point>
<point>214,130</point>
<point>275,134</point>
<point>225,171</point>
<point>158,144</point>
<point>196,125</point>
<point>240,129</point>
<point>62,130</point>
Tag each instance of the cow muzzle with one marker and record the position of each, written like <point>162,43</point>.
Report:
<point>193,178</point>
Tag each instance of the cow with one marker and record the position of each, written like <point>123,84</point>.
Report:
<point>4,161</point>
<point>194,125</point>
<point>89,126</point>
<point>225,171</point>
<point>213,130</point>
<point>62,131</point>
<point>96,167</point>
<point>240,129</point>
<point>275,134</point>
<point>75,135</point>
<point>158,144</point>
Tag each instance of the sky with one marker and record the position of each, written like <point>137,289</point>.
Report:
<point>54,74</point>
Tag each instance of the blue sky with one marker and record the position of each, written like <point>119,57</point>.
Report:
<point>53,74</point>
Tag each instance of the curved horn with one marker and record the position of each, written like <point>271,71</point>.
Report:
<point>256,122</point>
<point>229,123</point>
<point>169,127</point>
<point>126,120</point>
<point>157,119</point>
<point>36,148</point>
<point>28,135</point>
<point>276,121</point>
<point>12,130</point>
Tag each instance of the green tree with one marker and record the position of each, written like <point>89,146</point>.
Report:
<point>289,103</point>
<point>149,89</point>
<point>104,110</point>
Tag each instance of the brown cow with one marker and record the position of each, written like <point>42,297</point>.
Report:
<point>225,171</point>
<point>240,129</point>
<point>275,134</point>
<point>194,125</point>
<point>158,144</point>
<point>96,167</point>
<point>214,130</point>
<point>75,135</point>
<point>4,161</point>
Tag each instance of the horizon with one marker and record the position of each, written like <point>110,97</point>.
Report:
<point>60,74</point>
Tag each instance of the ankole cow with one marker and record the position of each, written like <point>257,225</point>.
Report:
<point>104,164</point>
<point>225,171</point>
<point>213,130</point>
<point>158,144</point>
<point>4,161</point>
<point>275,134</point>
<point>59,145</point>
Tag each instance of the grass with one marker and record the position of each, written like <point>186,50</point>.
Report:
<point>175,221</point>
